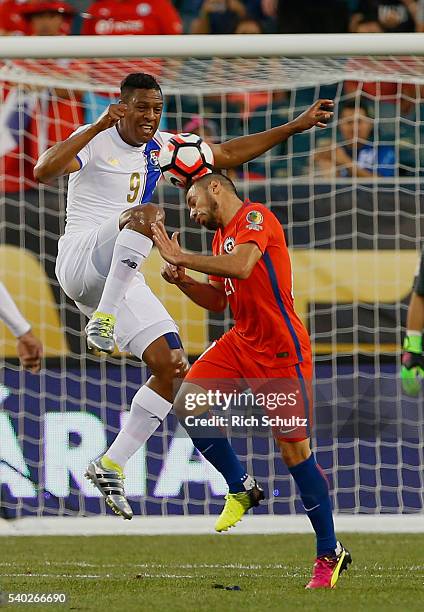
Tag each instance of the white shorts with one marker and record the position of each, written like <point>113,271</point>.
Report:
<point>82,265</point>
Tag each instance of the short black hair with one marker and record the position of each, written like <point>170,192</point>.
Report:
<point>138,80</point>
<point>228,183</point>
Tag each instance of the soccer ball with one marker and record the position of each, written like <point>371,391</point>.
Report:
<point>185,158</point>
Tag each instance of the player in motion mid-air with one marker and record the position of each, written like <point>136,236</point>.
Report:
<point>250,268</point>
<point>113,171</point>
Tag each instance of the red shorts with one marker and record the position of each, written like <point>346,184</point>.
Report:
<point>223,366</point>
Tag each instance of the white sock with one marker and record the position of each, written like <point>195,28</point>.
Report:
<point>413,332</point>
<point>128,253</point>
<point>148,409</point>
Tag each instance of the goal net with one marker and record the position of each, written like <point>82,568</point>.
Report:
<point>350,199</point>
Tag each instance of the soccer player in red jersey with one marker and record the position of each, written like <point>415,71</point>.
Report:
<point>268,347</point>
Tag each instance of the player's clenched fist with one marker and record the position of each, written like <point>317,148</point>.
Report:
<point>173,274</point>
<point>316,115</point>
<point>111,116</point>
<point>30,352</point>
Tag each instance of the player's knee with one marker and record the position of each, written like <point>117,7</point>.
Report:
<point>294,453</point>
<point>169,366</point>
<point>140,218</point>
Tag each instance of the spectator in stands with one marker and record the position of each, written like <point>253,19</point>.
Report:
<point>248,26</point>
<point>48,18</point>
<point>264,12</point>
<point>392,15</point>
<point>205,128</point>
<point>34,118</point>
<point>208,130</point>
<point>356,155</point>
<point>11,21</point>
<point>219,17</point>
<point>113,17</point>
<point>306,17</point>
<point>368,25</point>
<point>188,10</point>
<point>29,347</point>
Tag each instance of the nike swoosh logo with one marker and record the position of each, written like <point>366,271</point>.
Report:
<point>310,509</point>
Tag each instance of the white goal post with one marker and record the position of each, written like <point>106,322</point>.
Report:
<point>284,45</point>
<point>354,240</point>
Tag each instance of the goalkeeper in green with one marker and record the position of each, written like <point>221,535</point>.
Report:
<point>412,372</point>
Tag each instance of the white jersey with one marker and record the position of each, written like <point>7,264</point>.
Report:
<point>113,177</point>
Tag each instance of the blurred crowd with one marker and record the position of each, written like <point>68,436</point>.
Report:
<point>144,17</point>
<point>378,129</point>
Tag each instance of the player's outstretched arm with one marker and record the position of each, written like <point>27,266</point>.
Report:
<point>240,150</point>
<point>29,347</point>
<point>61,158</point>
<point>237,264</point>
<point>210,296</point>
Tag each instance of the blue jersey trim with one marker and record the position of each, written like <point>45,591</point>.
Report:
<point>305,398</point>
<point>79,161</point>
<point>275,289</point>
<point>173,340</point>
<point>153,172</point>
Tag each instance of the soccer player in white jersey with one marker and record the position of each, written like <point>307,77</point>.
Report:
<point>29,347</point>
<point>113,171</point>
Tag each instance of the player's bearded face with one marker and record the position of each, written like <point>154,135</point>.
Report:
<point>211,221</point>
<point>203,208</point>
<point>143,115</point>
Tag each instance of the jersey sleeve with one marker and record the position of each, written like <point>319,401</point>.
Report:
<point>255,225</point>
<point>84,155</point>
<point>11,315</point>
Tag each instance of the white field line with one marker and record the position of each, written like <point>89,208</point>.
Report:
<point>184,566</point>
<point>304,574</point>
<point>171,571</point>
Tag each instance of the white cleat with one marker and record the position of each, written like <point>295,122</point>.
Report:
<point>110,483</point>
<point>99,330</point>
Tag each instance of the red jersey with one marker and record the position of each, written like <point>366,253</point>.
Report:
<point>11,20</point>
<point>266,324</point>
<point>109,17</point>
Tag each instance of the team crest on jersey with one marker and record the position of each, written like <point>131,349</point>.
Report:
<point>154,158</point>
<point>144,9</point>
<point>229,244</point>
<point>254,219</point>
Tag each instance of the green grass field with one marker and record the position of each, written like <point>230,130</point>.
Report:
<point>178,573</point>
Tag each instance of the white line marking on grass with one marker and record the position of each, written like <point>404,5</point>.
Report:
<point>32,575</point>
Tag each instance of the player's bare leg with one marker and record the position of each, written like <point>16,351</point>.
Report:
<point>149,407</point>
<point>332,558</point>
<point>132,247</point>
<point>244,492</point>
